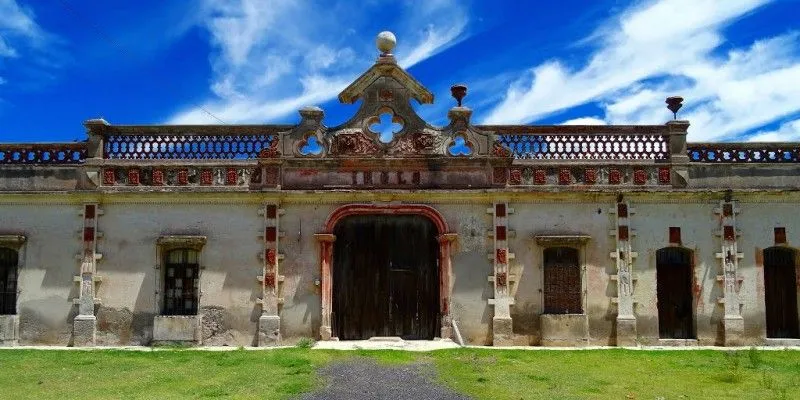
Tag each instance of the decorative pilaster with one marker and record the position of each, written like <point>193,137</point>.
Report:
<point>325,255</point>
<point>269,324</point>
<point>502,327</point>
<point>84,326</point>
<point>625,277</point>
<point>733,323</point>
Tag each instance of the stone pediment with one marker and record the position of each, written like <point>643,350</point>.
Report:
<point>385,125</point>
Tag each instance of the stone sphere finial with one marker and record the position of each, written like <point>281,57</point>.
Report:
<point>386,42</point>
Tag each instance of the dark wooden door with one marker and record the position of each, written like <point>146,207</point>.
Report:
<point>674,293</point>
<point>385,277</point>
<point>780,293</point>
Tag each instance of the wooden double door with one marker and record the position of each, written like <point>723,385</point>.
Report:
<point>385,277</point>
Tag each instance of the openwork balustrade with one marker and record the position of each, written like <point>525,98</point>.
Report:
<point>533,146</point>
<point>744,152</point>
<point>183,147</point>
<point>43,153</point>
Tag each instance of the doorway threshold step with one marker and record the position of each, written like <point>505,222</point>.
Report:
<point>385,339</point>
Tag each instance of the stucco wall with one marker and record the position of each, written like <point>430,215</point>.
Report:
<point>231,264</point>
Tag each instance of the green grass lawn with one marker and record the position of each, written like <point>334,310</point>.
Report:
<point>482,373</point>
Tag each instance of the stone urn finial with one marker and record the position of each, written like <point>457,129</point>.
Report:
<point>459,91</point>
<point>386,42</point>
<point>674,103</point>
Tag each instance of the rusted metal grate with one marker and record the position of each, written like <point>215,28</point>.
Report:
<point>181,282</point>
<point>43,153</point>
<point>8,281</point>
<point>186,147</point>
<point>562,281</point>
<point>587,146</point>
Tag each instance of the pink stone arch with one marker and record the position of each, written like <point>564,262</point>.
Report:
<point>445,238</point>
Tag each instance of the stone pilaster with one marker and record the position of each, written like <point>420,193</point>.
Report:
<point>269,323</point>
<point>729,256</point>
<point>625,277</point>
<point>501,279</point>
<point>84,326</point>
<point>679,157</point>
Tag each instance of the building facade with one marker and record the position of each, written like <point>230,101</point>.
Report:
<point>526,235</point>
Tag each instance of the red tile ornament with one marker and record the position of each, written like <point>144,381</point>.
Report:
<point>664,176</point>
<point>183,177</point>
<point>158,177</point>
<point>502,256</point>
<point>499,176</point>
<point>133,176</point>
<point>590,176</point>
<point>231,177</point>
<point>515,176</point>
<point>614,176</point>
<point>205,177</point>
<point>564,176</point>
<point>640,177</point>
<point>540,177</point>
<point>108,176</point>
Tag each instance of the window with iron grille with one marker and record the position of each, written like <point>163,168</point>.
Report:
<point>181,283</point>
<point>562,281</point>
<point>8,281</point>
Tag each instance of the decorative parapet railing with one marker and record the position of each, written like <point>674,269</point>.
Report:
<point>595,143</point>
<point>744,152</point>
<point>43,153</point>
<point>186,146</point>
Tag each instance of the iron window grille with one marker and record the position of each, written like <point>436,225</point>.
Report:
<point>562,281</point>
<point>181,282</point>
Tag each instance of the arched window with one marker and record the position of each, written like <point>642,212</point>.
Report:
<point>181,283</point>
<point>780,292</point>
<point>562,281</point>
<point>674,293</point>
<point>8,281</point>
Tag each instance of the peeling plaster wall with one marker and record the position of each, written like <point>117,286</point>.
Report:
<point>46,268</point>
<point>231,264</point>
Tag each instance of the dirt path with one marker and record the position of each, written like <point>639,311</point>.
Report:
<point>363,379</point>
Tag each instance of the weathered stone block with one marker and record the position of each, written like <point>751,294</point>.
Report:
<point>565,329</point>
<point>177,328</point>
<point>9,330</point>
<point>84,330</point>
<point>502,331</point>
<point>626,332</point>
<point>269,330</point>
<point>734,331</point>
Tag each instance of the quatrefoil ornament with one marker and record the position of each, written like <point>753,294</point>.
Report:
<point>386,125</point>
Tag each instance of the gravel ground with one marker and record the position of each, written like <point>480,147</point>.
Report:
<point>363,379</point>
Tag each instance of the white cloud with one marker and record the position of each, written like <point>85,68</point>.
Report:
<point>787,132</point>
<point>641,60</point>
<point>271,58</point>
<point>585,121</point>
<point>17,28</point>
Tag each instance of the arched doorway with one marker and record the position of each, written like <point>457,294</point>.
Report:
<point>674,293</point>
<point>385,277</point>
<point>423,232</point>
<point>780,292</point>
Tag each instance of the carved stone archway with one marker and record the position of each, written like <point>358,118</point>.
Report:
<point>326,239</point>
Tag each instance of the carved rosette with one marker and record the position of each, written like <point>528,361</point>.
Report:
<point>353,143</point>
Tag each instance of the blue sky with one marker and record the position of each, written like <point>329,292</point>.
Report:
<point>737,62</point>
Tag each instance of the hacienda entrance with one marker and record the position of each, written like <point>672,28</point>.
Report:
<point>385,271</point>
<point>385,277</point>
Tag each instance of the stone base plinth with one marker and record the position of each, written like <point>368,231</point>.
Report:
<point>177,328</point>
<point>325,333</point>
<point>734,331</point>
<point>9,330</point>
<point>564,329</point>
<point>269,330</point>
<point>626,332</point>
<point>502,332</point>
<point>84,330</point>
